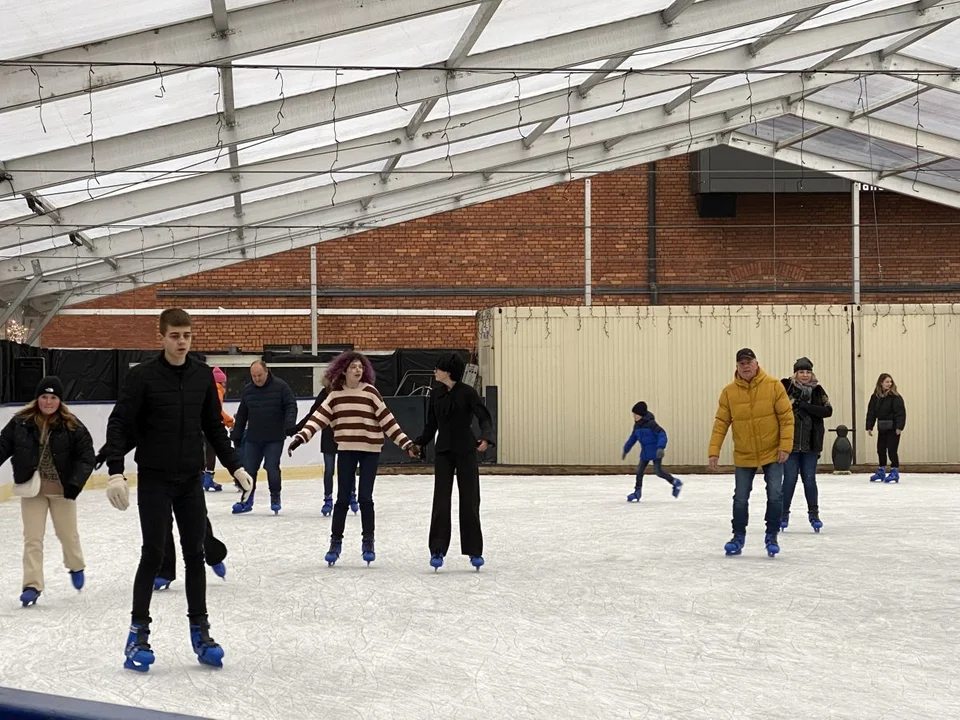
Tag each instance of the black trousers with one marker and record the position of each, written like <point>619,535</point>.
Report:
<point>214,551</point>
<point>210,456</point>
<point>888,442</point>
<point>351,463</point>
<point>159,494</point>
<point>468,485</point>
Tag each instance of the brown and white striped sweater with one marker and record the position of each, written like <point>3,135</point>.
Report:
<point>359,418</point>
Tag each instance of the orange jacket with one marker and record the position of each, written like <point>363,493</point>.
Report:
<point>227,420</point>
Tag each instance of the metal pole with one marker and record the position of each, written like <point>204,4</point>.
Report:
<point>855,220</point>
<point>587,250</point>
<point>313,300</point>
<point>855,204</point>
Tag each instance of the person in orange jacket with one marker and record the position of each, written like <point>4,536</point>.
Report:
<point>220,378</point>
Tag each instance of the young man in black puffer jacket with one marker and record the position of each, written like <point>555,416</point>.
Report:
<point>167,405</point>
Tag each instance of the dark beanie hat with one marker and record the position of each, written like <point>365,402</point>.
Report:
<point>640,408</point>
<point>803,364</point>
<point>451,363</point>
<point>50,385</point>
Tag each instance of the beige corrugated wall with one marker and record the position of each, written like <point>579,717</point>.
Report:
<point>567,377</point>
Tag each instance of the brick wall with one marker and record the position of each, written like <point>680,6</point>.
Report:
<point>794,243</point>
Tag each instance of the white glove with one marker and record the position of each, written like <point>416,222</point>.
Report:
<point>246,483</point>
<point>118,492</point>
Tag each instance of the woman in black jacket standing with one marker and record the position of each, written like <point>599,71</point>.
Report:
<point>46,439</point>
<point>328,448</point>
<point>887,411</point>
<point>452,408</point>
<point>810,406</point>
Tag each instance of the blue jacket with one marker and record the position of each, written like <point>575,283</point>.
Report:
<point>650,436</point>
<point>266,414</point>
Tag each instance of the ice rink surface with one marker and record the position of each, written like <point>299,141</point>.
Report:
<point>588,607</point>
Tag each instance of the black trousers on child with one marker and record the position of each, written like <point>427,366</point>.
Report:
<point>214,551</point>
<point>159,495</point>
<point>464,465</point>
<point>657,470</point>
<point>349,462</point>
<point>888,442</point>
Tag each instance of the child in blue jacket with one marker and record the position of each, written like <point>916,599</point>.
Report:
<point>653,442</point>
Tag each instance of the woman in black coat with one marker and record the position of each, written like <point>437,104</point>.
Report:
<point>810,407</point>
<point>887,411</point>
<point>328,447</point>
<point>47,440</point>
<point>453,406</point>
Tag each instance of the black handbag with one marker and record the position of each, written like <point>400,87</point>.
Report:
<point>884,425</point>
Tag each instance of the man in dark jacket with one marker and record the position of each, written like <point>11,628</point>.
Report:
<point>266,417</point>
<point>167,405</point>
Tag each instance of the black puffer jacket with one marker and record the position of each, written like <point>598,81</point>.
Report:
<point>266,414</point>
<point>808,416</point>
<point>328,443</point>
<point>72,453</point>
<point>888,408</point>
<point>168,409</point>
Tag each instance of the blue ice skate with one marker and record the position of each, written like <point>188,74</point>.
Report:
<point>244,507</point>
<point>220,570</point>
<point>333,554</point>
<point>677,487</point>
<point>815,521</point>
<point>735,546</point>
<point>770,541</point>
<point>77,578</point>
<point>138,654</point>
<point>208,484</point>
<point>275,503</point>
<point>784,522</point>
<point>893,477</point>
<point>354,506</point>
<point>476,561</point>
<point>327,506</point>
<point>436,560</point>
<point>878,476</point>
<point>208,652</point>
<point>366,546</point>
<point>635,495</point>
<point>29,596</point>
<point>160,583</point>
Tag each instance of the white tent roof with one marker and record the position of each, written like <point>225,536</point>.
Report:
<point>186,135</point>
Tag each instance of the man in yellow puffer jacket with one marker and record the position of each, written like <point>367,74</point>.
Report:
<point>762,417</point>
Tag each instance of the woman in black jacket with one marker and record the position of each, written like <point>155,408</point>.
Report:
<point>810,406</point>
<point>328,447</point>
<point>46,438</point>
<point>450,415</point>
<point>887,411</point>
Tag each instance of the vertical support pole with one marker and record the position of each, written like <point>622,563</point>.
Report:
<point>587,242</point>
<point>855,222</point>
<point>313,300</point>
<point>652,285</point>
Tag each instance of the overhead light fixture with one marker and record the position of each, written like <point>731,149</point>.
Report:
<point>34,206</point>
<point>75,239</point>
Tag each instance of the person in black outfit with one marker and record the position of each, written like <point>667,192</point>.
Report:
<point>266,417</point>
<point>167,405</point>
<point>452,408</point>
<point>887,411</point>
<point>328,448</point>
<point>811,406</point>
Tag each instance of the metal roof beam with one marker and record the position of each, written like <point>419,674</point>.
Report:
<point>781,30</point>
<point>255,30</point>
<point>23,295</point>
<point>876,107</point>
<point>910,39</point>
<point>51,314</point>
<point>670,14</point>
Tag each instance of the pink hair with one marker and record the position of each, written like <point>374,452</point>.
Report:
<point>338,368</point>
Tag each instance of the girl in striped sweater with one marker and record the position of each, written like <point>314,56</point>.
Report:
<point>359,418</point>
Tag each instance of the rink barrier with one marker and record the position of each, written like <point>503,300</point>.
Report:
<point>28,705</point>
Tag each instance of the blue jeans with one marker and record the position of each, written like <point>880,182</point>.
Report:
<point>267,452</point>
<point>657,470</point>
<point>348,464</point>
<point>803,464</point>
<point>773,477</point>
<point>329,460</point>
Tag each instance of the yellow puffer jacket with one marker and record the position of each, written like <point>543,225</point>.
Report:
<point>762,419</point>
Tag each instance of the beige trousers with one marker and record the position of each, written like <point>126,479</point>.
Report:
<point>34,513</point>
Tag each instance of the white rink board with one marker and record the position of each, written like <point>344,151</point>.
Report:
<point>588,607</point>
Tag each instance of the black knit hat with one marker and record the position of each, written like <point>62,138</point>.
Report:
<point>746,354</point>
<point>50,385</point>
<point>451,363</point>
<point>803,364</point>
<point>640,408</point>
